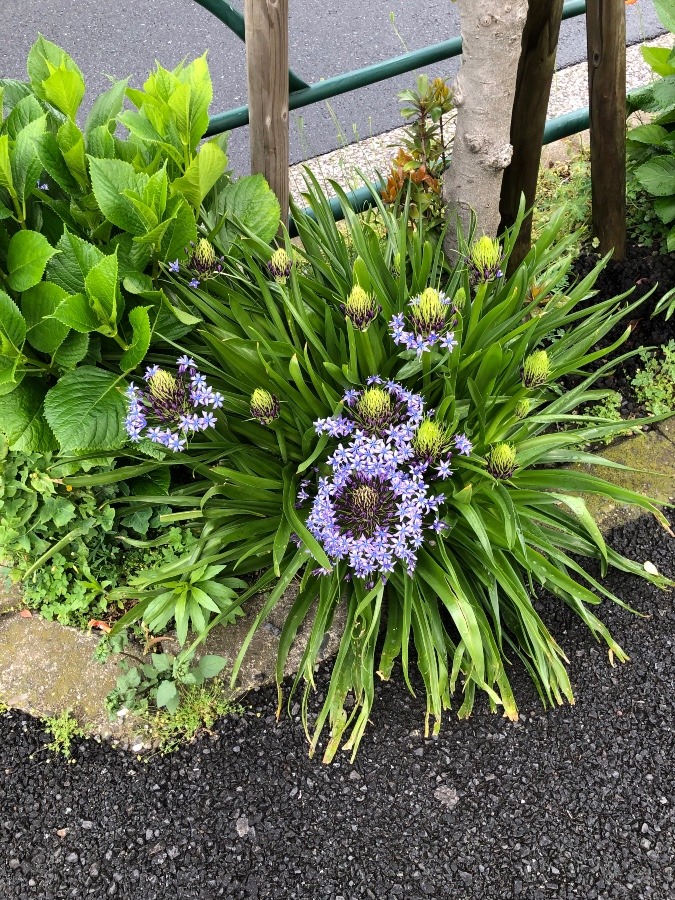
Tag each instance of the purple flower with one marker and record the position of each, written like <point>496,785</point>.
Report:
<point>463,444</point>
<point>444,470</point>
<point>194,283</point>
<point>169,405</point>
<point>427,317</point>
<point>174,266</point>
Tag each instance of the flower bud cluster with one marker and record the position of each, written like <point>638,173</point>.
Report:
<point>171,407</point>
<point>485,259</point>
<point>280,265</point>
<point>426,323</point>
<point>361,308</point>
<point>265,407</point>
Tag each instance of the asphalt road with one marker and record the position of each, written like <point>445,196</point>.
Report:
<point>120,38</point>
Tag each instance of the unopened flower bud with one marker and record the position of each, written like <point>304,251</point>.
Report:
<point>280,265</point>
<point>485,257</point>
<point>459,300</point>
<point>264,406</point>
<point>202,260</point>
<point>162,384</point>
<point>432,440</point>
<point>361,308</point>
<point>536,369</point>
<point>501,460</point>
<point>522,409</point>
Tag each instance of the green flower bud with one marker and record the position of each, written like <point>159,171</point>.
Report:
<point>432,440</point>
<point>522,409</point>
<point>361,308</point>
<point>205,255</point>
<point>265,407</point>
<point>459,300</point>
<point>280,265</point>
<point>536,369</point>
<point>374,406</point>
<point>485,257</point>
<point>428,311</point>
<point>501,460</point>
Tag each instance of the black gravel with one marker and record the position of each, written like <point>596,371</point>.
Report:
<point>575,802</point>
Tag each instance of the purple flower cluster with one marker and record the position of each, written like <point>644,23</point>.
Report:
<point>373,507</point>
<point>427,323</point>
<point>173,407</point>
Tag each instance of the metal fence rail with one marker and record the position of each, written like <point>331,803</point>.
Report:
<point>303,94</point>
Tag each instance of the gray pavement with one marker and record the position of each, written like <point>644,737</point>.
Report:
<point>326,37</point>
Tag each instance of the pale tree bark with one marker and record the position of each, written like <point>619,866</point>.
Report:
<point>484,91</point>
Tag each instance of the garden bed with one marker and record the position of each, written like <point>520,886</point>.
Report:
<point>576,802</point>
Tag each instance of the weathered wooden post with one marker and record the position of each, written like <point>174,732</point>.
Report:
<point>533,88</point>
<point>267,65</point>
<point>606,34</point>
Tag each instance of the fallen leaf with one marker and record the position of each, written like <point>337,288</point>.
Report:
<point>97,623</point>
<point>651,568</point>
<point>26,614</point>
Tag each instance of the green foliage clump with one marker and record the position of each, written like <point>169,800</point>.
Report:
<point>609,409</point>
<point>63,729</point>
<point>165,682</point>
<point>91,217</point>
<point>200,708</point>
<point>654,382</point>
<point>651,146</point>
<point>510,521</point>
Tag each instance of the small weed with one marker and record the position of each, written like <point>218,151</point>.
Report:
<point>654,383</point>
<point>201,706</point>
<point>565,184</point>
<point>63,728</point>
<point>610,409</point>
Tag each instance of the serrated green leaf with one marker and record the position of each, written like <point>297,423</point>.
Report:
<point>76,258</point>
<point>26,111</point>
<point>27,256</point>
<point>648,134</point>
<point>43,58</point>
<point>251,201</point>
<point>72,351</point>
<point>38,305</point>
<point>6,177</point>
<point>76,312</point>
<point>71,143</point>
<point>182,229</point>
<point>110,178</point>
<point>657,176</point>
<point>12,327</point>
<point>666,13</point>
<point>54,164</point>
<point>106,107</point>
<point>657,59</point>
<point>85,409</point>
<point>25,159</point>
<point>102,286</point>
<point>64,88</point>
<point>22,420</point>
<point>140,322</point>
<point>202,173</point>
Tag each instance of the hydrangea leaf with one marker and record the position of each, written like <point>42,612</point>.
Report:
<point>657,176</point>
<point>22,419</point>
<point>12,327</point>
<point>85,409</point>
<point>251,202</point>
<point>140,322</point>
<point>72,351</point>
<point>75,260</point>
<point>202,173</point>
<point>64,89</point>
<point>27,256</point>
<point>110,178</point>
<point>38,305</point>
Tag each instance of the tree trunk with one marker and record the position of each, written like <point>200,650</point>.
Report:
<point>484,91</point>
<point>533,89</point>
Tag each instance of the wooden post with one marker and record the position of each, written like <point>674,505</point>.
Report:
<point>267,65</point>
<point>606,33</point>
<point>533,88</point>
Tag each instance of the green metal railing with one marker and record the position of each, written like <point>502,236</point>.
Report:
<point>303,94</point>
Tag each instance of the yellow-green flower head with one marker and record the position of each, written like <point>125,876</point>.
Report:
<point>485,257</point>
<point>205,255</point>
<point>203,261</point>
<point>501,460</point>
<point>536,369</point>
<point>162,385</point>
<point>361,308</point>
<point>428,311</point>
<point>374,407</point>
<point>432,440</point>
<point>280,265</point>
<point>459,300</point>
<point>264,406</point>
<point>522,408</point>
